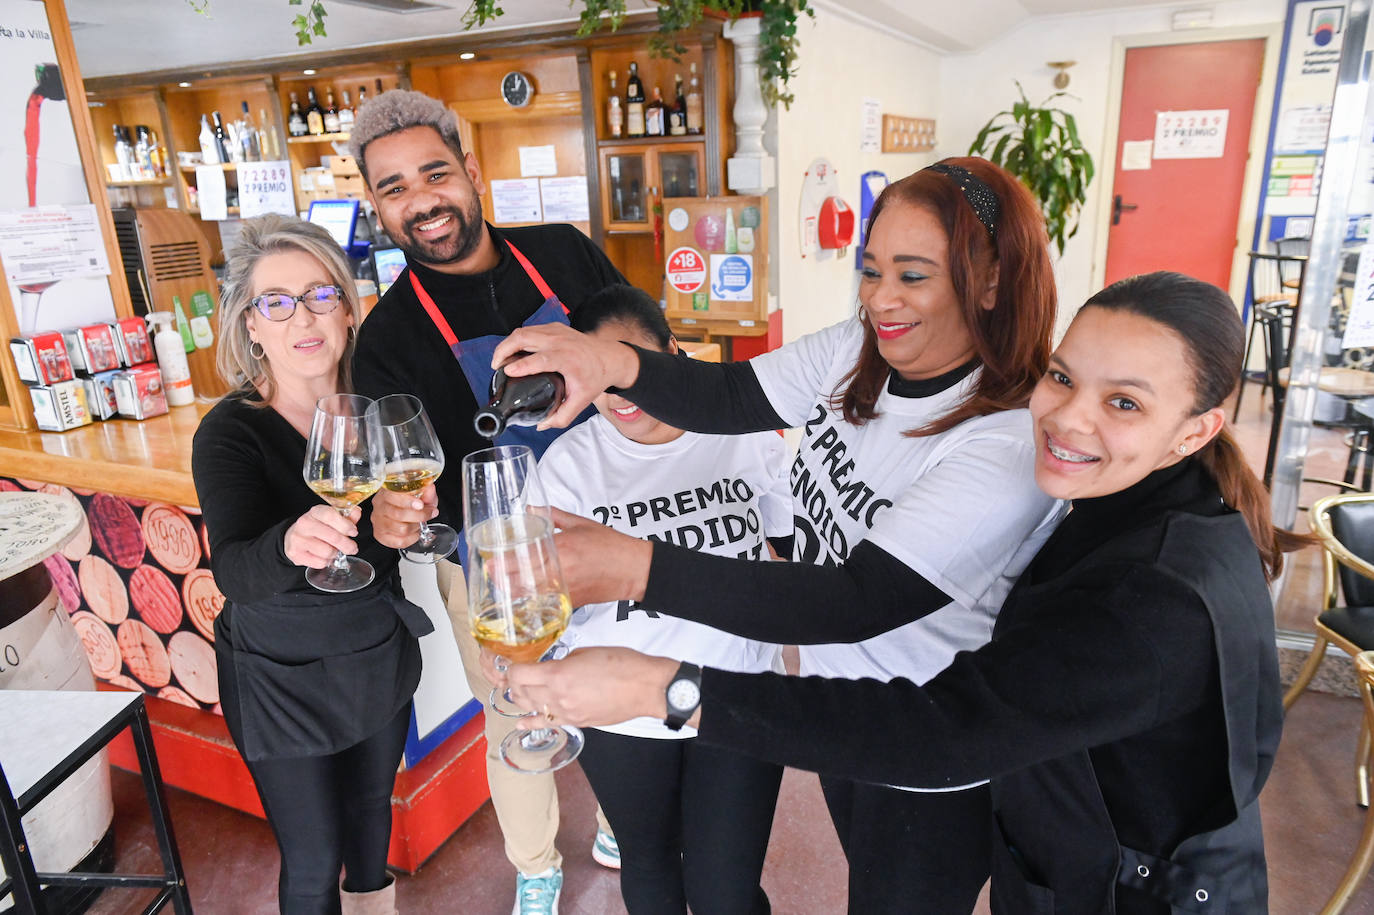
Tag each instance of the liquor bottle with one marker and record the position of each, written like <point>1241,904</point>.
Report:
<point>314,114</point>
<point>677,115</point>
<point>209,150</point>
<point>362,96</point>
<point>615,115</point>
<point>249,140</point>
<point>634,103</point>
<point>156,156</point>
<point>346,114</point>
<point>221,138</point>
<point>695,116</point>
<point>524,401</point>
<point>143,152</point>
<point>267,137</point>
<point>380,90</point>
<point>295,124</point>
<point>331,112</point>
<point>124,153</point>
<point>653,115</point>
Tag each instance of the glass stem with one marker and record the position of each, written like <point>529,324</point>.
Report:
<point>426,535</point>
<point>340,562</point>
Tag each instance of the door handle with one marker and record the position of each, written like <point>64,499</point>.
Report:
<point>1118,207</point>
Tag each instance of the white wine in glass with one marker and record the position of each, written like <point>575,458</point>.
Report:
<point>344,464</point>
<point>414,459</point>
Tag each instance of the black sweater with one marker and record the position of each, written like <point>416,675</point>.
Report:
<point>1118,660</point>
<point>247,462</point>
<point>401,351</point>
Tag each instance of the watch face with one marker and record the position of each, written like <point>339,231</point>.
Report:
<point>683,695</point>
<point>516,89</point>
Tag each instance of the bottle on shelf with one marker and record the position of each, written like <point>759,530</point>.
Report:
<point>731,240</point>
<point>677,115</point>
<point>524,401</point>
<point>124,153</point>
<point>314,114</point>
<point>653,115</point>
<point>295,124</point>
<point>634,103</point>
<point>615,114</point>
<point>695,115</point>
<point>267,137</point>
<point>380,90</point>
<point>209,149</point>
<point>346,114</point>
<point>249,141</point>
<point>171,359</point>
<point>221,138</point>
<point>362,96</point>
<point>143,150</point>
<point>188,340</point>
<point>331,111</point>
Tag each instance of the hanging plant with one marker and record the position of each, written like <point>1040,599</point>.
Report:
<point>1040,146</point>
<point>777,28</point>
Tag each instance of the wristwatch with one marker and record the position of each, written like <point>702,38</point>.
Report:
<point>684,695</point>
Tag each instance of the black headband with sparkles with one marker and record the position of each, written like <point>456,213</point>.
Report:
<point>985,204</point>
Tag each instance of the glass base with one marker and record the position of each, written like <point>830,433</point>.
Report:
<point>353,575</point>
<point>442,541</point>
<point>543,750</point>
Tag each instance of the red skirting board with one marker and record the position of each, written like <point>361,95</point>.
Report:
<point>428,805</point>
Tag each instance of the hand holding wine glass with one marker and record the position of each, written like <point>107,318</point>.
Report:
<point>414,460</point>
<point>344,464</point>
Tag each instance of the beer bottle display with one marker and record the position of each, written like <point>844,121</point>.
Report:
<point>634,103</point>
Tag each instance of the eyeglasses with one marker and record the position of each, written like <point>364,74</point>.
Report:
<point>278,306</point>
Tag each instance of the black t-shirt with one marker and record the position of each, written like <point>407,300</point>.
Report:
<point>400,351</point>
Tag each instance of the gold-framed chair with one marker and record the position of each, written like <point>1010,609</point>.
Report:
<point>1363,858</point>
<point>1344,524</point>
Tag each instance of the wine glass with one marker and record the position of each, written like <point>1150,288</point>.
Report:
<point>413,460</point>
<point>344,464</point>
<point>518,605</point>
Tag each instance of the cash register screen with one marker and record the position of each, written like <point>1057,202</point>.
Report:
<point>338,217</point>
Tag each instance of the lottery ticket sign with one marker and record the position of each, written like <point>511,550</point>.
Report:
<point>1191,134</point>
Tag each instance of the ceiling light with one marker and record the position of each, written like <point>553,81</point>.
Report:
<point>308,72</point>
<point>467,55</point>
<point>183,84</point>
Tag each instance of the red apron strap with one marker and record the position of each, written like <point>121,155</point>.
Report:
<point>433,311</point>
<point>534,276</point>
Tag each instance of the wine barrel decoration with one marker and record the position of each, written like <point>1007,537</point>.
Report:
<point>28,484</point>
<point>64,579</point>
<point>80,544</point>
<point>172,694</point>
<point>143,653</point>
<point>102,649</point>
<point>105,592</point>
<point>171,538</point>
<point>203,600</point>
<point>124,682</point>
<point>155,599</point>
<point>116,530</point>
<point>193,665</point>
<point>10,486</point>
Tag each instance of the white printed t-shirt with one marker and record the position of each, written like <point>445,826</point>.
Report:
<point>721,494</point>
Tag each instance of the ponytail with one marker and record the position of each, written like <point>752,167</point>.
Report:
<point>1243,491</point>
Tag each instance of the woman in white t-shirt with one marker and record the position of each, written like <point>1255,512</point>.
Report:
<point>913,489</point>
<point>692,821</point>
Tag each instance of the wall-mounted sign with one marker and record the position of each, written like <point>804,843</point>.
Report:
<point>1191,134</point>
<point>685,270</point>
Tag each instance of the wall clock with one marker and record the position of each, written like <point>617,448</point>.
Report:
<point>516,89</point>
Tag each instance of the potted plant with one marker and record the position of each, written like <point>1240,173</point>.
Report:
<point>1040,146</point>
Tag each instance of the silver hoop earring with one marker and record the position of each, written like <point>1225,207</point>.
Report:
<point>260,354</point>
<point>863,314</point>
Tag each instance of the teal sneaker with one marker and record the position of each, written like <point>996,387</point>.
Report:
<point>605,850</point>
<point>538,895</point>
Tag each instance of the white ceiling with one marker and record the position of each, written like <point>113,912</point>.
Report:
<point>133,36</point>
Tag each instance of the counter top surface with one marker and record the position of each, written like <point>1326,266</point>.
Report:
<point>144,459</point>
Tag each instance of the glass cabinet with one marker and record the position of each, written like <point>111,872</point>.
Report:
<point>632,174</point>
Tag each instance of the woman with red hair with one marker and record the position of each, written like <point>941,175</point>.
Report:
<point>914,492</point>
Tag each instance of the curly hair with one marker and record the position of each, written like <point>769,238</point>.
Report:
<point>397,110</point>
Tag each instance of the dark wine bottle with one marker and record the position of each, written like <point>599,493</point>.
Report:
<point>524,401</point>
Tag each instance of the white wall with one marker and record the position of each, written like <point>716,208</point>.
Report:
<point>976,86</point>
<point>842,62</point>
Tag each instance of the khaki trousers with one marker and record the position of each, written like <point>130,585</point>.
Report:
<point>526,805</point>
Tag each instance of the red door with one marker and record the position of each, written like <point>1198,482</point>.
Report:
<point>1181,213</point>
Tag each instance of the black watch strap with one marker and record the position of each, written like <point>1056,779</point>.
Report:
<point>683,695</point>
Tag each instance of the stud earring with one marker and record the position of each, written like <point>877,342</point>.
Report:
<point>1182,449</point>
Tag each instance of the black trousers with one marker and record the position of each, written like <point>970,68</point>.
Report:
<point>909,851</point>
<point>330,813</point>
<point>692,822</point>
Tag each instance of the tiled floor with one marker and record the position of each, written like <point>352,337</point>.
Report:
<point>1311,820</point>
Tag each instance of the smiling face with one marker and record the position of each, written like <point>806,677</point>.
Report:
<point>429,201</point>
<point>908,296</point>
<point>1115,405</point>
<point>628,419</point>
<point>304,350</point>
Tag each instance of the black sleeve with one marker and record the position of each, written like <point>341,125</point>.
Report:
<point>246,531</point>
<point>724,398</point>
<point>1086,668</point>
<point>790,602</point>
<point>372,374</point>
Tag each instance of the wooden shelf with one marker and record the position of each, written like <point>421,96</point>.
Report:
<point>227,166</point>
<point>139,182</point>
<point>320,138</point>
<point>652,141</point>
<point>195,211</point>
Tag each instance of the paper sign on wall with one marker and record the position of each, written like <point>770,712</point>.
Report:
<point>1191,134</point>
<point>1359,327</point>
<point>565,199</point>
<point>732,277</point>
<point>536,161</point>
<point>1136,154</point>
<point>871,126</point>
<point>211,193</point>
<point>52,243</point>
<point>265,187</point>
<point>516,200</point>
